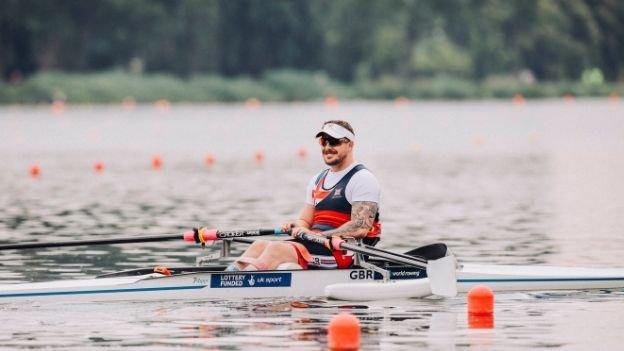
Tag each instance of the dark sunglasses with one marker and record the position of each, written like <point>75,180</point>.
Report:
<point>324,140</point>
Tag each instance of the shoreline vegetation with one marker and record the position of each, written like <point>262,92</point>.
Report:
<point>281,86</point>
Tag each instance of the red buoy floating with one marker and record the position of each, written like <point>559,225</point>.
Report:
<point>302,153</point>
<point>331,101</point>
<point>259,156</point>
<point>343,332</point>
<point>157,162</point>
<point>252,103</point>
<point>480,307</point>
<point>401,101</point>
<point>98,166</point>
<point>35,171</point>
<point>57,107</point>
<point>614,97</point>
<point>519,99</point>
<point>162,105</point>
<point>128,103</point>
<point>478,140</point>
<point>209,160</point>
<point>569,98</point>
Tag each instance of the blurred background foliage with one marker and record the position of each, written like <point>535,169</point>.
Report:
<point>229,50</point>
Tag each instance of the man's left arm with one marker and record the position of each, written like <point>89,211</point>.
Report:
<point>362,218</point>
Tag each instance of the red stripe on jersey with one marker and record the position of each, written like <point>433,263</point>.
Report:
<point>331,218</point>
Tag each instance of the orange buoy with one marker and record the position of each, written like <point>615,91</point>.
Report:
<point>252,103</point>
<point>480,307</point>
<point>259,156</point>
<point>35,171</point>
<point>156,162</point>
<point>401,101</point>
<point>98,166</point>
<point>209,160</point>
<point>58,107</point>
<point>343,332</point>
<point>302,153</point>
<point>568,98</point>
<point>519,99</point>
<point>128,103</point>
<point>162,105</point>
<point>480,300</point>
<point>331,101</point>
<point>614,97</point>
<point>478,141</point>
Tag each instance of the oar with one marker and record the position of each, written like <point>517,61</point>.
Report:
<point>441,272</point>
<point>199,236</point>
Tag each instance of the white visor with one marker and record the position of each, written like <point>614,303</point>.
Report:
<point>336,131</point>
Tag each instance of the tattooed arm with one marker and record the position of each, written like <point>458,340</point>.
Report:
<point>362,218</point>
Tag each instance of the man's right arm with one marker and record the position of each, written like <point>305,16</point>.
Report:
<point>305,219</point>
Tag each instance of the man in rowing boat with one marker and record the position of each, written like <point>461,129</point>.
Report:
<point>341,201</point>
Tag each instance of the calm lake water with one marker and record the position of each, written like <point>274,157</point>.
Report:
<point>539,183</point>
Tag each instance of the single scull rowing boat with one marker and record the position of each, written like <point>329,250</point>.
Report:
<point>351,284</point>
<point>377,274</point>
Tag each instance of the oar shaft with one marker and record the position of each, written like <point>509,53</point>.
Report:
<point>136,239</point>
<point>209,235</point>
<point>396,258</point>
<point>415,258</point>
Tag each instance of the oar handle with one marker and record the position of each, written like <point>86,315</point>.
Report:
<point>203,235</point>
<point>317,239</point>
<point>333,243</point>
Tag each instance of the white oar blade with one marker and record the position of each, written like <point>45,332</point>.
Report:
<point>442,274</point>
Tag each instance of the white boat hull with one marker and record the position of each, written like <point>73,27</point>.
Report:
<point>205,285</point>
<point>349,284</point>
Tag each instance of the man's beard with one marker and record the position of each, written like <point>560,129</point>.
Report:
<point>338,159</point>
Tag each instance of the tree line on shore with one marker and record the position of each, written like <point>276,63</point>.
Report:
<point>347,41</point>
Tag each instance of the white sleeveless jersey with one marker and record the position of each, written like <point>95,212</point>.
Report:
<point>363,186</point>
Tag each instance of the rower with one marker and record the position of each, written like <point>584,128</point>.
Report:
<point>341,201</point>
